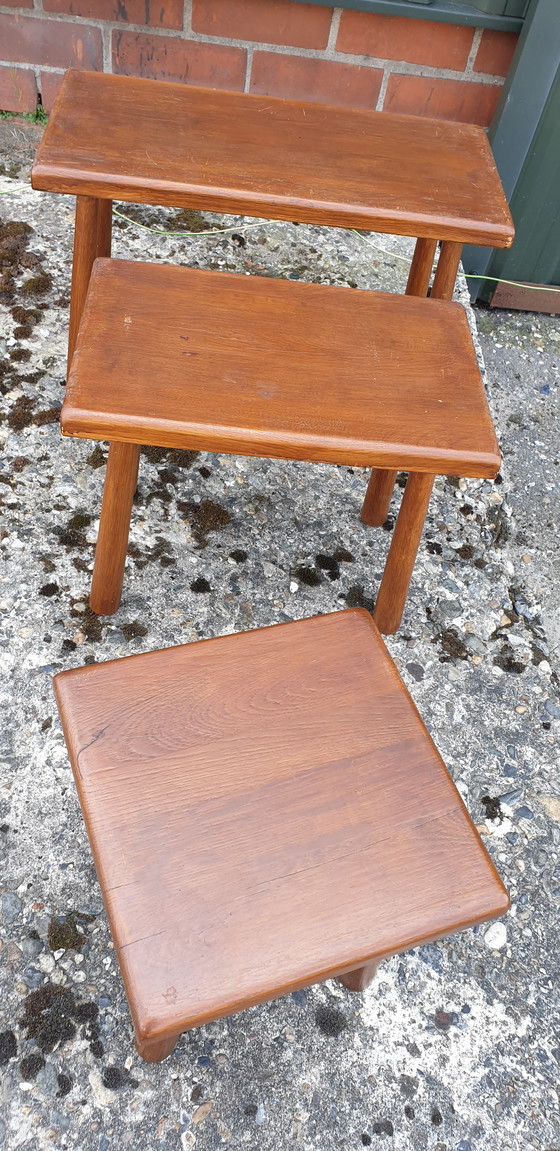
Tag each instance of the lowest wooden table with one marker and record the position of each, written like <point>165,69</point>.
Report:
<point>265,810</point>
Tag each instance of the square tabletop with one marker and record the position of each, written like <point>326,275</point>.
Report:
<point>213,361</point>
<point>265,810</point>
<point>152,142</point>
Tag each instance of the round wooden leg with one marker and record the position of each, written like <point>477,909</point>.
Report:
<point>446,271</point>
<point>110,553</point>
<point>421,268</point>
<point>85,252</point>
<point>391,598</point>
<point>360,978</point>
<point>378,497</point>
<point>104,227</point>
<point>154,1050</point>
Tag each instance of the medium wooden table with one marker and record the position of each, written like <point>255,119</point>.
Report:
<point>263,367</point>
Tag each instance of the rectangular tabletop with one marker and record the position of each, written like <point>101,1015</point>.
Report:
<point>180,357</point>
<point>151,142</point>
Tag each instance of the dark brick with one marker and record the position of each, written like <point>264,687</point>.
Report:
<point>184,61</point>
<point>153,13</point>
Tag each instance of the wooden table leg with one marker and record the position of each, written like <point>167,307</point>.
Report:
<point>360,978</point>
<point>110,553</point>
<point>446,271</point>
<point>378,497</point>
<point>104,227</point>
<point>85,252</point>
<point>390,601</point>
<point>154,1050</point>
<point>421,268</point>
<point>380,487</point>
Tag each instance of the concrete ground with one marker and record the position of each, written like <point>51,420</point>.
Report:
<point>455,1046</point>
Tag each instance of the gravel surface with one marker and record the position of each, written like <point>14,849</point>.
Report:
<point>454,1047</point>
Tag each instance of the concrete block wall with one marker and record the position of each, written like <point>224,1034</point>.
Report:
<point>273,47</point>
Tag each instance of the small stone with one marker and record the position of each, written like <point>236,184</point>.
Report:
<point>510,797</point>
<point>293,586</point>
<point>47,1080</point>
<point>33,978</point>
<point>32,947</point>
<point>524,813</point>
<point>520,709</point>
<point>11,906</point>
<point>552,708</point>
<point>496,936</point>
<point>103,1097</point>
<point>13,953</point>
<point>260,1116</point>
<point>551,805</point>
<point>203,1111</point>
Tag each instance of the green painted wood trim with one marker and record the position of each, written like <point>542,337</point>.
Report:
<point>440,11</point>
<point>513,133</point>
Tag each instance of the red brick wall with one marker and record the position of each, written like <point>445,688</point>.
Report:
<point>275,47</point>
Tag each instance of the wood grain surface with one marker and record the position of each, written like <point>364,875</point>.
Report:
<point>184,358</point>
<point>265,810</point>
<point>151,142</point>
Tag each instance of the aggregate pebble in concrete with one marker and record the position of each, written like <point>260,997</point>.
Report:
<point>454,1047</point>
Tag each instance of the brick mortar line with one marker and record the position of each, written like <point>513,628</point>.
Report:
<point>248,70</point>
<point>474,49</point>
<point>187,17</point>
<point>383,89</point>
<point>333,31</point>
<point>391,67</point>
<point>107,49</point>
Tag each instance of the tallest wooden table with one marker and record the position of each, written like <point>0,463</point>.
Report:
<point>155,143</point>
